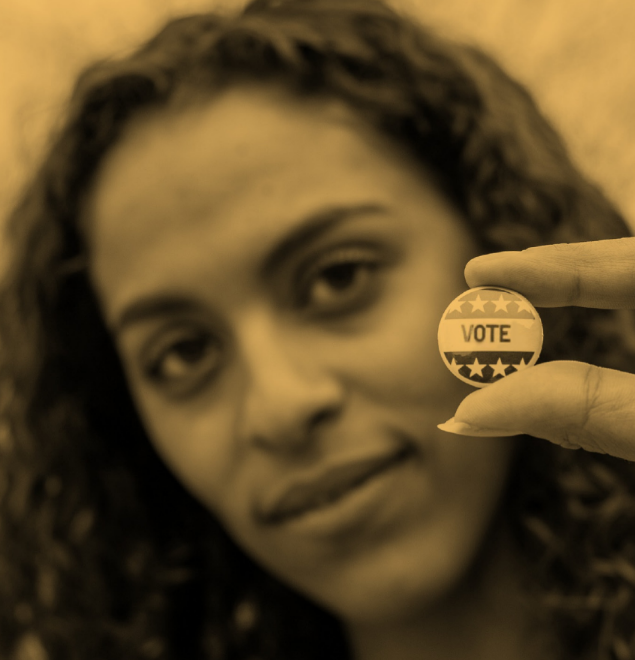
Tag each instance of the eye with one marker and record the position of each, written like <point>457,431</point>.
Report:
<point>342,281</point>
<point>179,359</point>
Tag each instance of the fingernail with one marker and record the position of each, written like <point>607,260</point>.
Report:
<point>493,256</point>
<point>462,428</point>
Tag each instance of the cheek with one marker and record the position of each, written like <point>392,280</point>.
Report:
<point>398,359</point>
<point>201,450</point>
<point>196,446</point>
<point>467,474</point>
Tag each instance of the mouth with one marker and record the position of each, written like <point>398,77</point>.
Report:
<point>328,487</point>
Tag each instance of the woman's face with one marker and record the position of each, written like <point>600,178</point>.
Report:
<point>273,272</point>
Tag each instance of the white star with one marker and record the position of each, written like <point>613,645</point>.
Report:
<point>523,305</point>
<point>478,303</point>
<point>476,368</point>
<point>501,304</point>
<point>455,306</point>
<point>522,364</point>
<point>499,368</point>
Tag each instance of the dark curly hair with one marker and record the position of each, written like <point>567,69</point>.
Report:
<point>102,553</point>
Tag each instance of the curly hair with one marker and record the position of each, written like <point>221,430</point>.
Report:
<point>103,554</point>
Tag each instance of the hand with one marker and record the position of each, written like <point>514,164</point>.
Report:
<point>571,404</point>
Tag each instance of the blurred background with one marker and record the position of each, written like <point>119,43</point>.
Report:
<point>576,56</point>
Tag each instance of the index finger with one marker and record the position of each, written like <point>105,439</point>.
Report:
<point>597,274</point>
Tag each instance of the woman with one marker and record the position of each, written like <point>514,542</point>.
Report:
<point>232,265</point>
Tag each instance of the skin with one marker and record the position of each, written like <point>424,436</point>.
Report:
<point>572,404</point>
<point>269,365</point>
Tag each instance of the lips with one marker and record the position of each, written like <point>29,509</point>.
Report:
<point>314,491</point>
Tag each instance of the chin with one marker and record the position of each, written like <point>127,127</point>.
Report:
<point>401,583</point>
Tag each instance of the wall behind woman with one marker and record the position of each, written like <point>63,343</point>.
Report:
<point>577,56</point>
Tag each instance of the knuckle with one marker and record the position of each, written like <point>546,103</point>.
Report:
<point>592,383</point>
<point>569,258</point>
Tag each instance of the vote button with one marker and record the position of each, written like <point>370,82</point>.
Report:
<point>488,333</point>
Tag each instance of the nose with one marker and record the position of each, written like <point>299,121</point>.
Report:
<point>288,394</point>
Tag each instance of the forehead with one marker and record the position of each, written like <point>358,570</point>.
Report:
<point>235,173</point>
<point>247,135</point>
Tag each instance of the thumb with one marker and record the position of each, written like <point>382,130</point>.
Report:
<point>571,404</point>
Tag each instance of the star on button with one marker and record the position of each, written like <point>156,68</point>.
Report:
<point>499,368</point>
<point>523,306</point>
<point>476,368</point>
<point>501,304</point>
<point>522,364</point>
<point>455,306</point>
<point>477,303</point>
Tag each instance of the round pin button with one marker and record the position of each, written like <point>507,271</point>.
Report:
<point>488,333</point>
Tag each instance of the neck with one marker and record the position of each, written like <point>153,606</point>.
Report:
<point>489,617</point>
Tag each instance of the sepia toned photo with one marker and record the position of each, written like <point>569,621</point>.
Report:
<point>316,330</point>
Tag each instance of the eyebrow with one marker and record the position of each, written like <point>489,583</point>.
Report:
<point>152,307</point>
<point>311,228</point>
